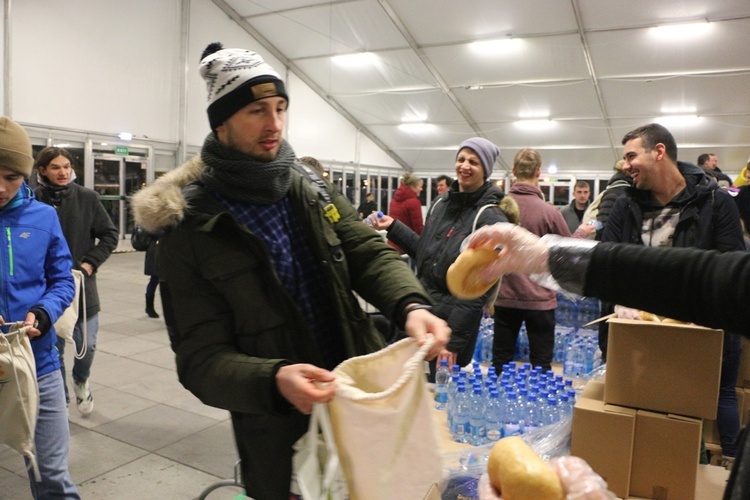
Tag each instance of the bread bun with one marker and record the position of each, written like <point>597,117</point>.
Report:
<point>671,321</point>
<point>518,473</point>
<point>647,316</point>
<point>463,277</point>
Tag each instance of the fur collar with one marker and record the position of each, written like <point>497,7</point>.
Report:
<point>161,205</point>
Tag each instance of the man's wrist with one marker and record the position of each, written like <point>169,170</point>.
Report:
<point>414,307</point>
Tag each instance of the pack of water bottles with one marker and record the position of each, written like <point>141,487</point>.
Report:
<point>485,337</point>
<point>582,354</point>
<point>483,409</point>
<point>574,311</point>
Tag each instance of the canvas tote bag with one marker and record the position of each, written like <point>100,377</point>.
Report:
<point>19,393</point>
<point>383,425</point>
<point>317,473</point>
<point>66,323</point>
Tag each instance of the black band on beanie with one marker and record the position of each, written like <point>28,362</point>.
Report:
<point>252,90</point>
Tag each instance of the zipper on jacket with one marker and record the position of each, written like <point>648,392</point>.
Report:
<point>10,250</point>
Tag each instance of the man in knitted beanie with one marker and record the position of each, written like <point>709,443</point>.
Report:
<point>485,150</point>
<point>257,265</point>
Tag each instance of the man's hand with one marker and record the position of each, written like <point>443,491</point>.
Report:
<point>31,321</point>
<point>623,312</point>
<point>381,223</point>
<point>420,322</point>
<point>303,384</point>
<point>447,355</point>
<point>522,252</point>
<point>88,268</point>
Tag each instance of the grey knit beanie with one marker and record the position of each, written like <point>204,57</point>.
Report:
<point>485,150</point>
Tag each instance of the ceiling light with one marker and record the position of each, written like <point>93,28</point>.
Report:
<point>679,110</point>
<point>535,124</point>
<point>104,144</point>
<point>125,136</point>
<point>62,145</point>
<point>355,60</point>
<point>680,31</point>
<point>417,128</point>
<point>678,120</point>
<point>552,169</point>
<point>493,47</point>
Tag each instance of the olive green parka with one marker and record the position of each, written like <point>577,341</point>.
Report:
<point>231,323</point>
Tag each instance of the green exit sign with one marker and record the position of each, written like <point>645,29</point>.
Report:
<point>121,150</point>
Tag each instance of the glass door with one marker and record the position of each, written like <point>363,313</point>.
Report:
<point>116,178</point>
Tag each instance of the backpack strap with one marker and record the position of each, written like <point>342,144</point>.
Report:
<point>476,219</point>
<point>319,186</point>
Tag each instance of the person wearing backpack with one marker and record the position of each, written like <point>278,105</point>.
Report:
<point>259,262</point>
<point>676,204</point>
<point>471,201</point>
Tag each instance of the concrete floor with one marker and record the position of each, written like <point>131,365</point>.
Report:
<point>148,437</point>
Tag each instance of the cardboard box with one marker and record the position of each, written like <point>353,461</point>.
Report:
<point>603,435</point>
<point>594,389</point>
<point>666,451</point>
<point>711,430</point>
<point>665,368</point>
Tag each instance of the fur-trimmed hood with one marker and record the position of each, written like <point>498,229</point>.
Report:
<point>161,205</point>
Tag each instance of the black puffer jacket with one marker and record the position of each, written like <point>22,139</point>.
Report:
<point>89,231</point>
<point>449,222</point>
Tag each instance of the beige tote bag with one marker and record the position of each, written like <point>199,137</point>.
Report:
<point>66,323</point>
<point>383,424</point>
<point>19,393</point>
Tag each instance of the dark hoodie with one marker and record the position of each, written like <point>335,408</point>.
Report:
<point>708,216</point>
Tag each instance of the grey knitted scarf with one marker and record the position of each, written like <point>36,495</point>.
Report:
<point>240,177</point>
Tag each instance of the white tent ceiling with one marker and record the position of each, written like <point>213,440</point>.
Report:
<point>594,69</point>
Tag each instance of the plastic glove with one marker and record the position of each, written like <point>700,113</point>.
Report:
<point>623,312</point>
<point>522,251</point>
<point>578,480</point>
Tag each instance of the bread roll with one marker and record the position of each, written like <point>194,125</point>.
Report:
<point>518,473</point>
<point>463,277</point>
<point>674,321</point>
<point>647,316</point>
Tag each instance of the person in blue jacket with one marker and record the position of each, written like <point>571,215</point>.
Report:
<point>36,286</point>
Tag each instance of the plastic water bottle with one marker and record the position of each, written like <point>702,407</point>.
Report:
<point>566,410</point>
<point>550,414</point>
<point>494,422</point>
<point>461,416</point>
<point>369,220</point>
<point>452,391</point>
<point>442,378</point>
<point>477,420</point>
<point>488,337</point>
<point>511,426</point>
<point>532,418</point>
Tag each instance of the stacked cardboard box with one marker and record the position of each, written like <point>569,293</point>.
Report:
<point>640,429</point>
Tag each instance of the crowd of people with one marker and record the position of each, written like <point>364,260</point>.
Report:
<point>259,259</point>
